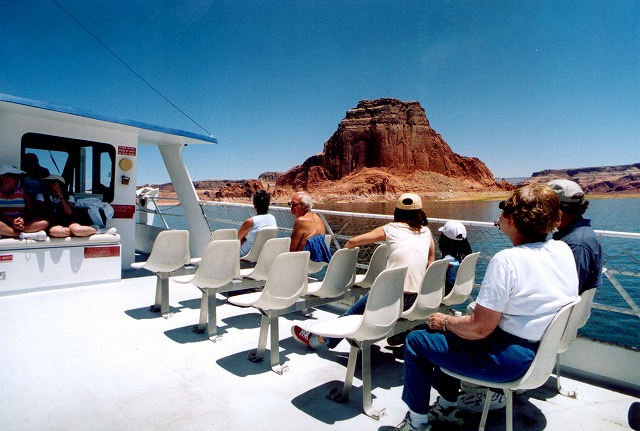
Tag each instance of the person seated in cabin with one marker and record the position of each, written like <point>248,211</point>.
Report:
<point>59,205</point>
<point>308,229</point>
<point>453,245</point>
<point>17,219</point>
<point>34,173</point>
<point>523,289</point>
<point>411,244</point>
<point>252,225</point>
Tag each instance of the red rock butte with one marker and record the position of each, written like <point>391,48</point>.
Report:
<point>387,146</point>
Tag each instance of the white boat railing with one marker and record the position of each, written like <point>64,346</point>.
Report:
<point>615,316</point>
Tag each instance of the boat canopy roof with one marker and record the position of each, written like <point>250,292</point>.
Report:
<point>148,133</point>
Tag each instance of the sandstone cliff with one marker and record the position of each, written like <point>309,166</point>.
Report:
<point>387,146</point>
<point>601,180</point>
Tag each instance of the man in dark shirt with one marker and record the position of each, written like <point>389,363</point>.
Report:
<point>576,232</point>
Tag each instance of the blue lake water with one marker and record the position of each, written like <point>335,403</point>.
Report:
<point>606,214</point>
<point>621,254</point>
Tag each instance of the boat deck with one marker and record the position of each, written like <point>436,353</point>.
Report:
<point>95,358</point>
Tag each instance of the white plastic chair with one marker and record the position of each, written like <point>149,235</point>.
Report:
<point>464,283</point>
<point>383,309</point>
<point>339,277</point>
<point>262,236</point>
<point>431,292</point>
<point>224,234</point>
<point>286,283</point>
<point>317,266</point>
<point>219,265</point>
<point>579,316</point>
<point>377,264</point>
<point>169,253</point>
<point>537,374</point>
<point>270,251</point>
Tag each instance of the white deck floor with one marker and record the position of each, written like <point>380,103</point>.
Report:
<point>95,358</point>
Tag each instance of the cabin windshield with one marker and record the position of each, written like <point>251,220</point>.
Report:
<point>87,167</point>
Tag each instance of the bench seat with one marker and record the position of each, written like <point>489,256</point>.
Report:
<point>28,265</point>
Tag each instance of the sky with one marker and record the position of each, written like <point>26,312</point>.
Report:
<point>522,85</point>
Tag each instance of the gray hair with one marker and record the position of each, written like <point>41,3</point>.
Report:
<point>306,199</point>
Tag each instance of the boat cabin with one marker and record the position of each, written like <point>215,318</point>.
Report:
<point>98,158</point>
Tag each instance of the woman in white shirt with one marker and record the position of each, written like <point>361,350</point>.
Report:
<point>523,289</point>
<point>411,244</point>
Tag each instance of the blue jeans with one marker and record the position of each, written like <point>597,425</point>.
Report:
<point>358,308</point>
<point>500,357</point>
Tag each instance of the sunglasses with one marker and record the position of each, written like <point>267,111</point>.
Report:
<point>293,204</point>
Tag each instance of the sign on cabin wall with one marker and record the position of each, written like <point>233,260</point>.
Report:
<point>126,151</point>
<point>123,211</point>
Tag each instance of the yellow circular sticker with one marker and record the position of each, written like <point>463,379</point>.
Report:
<point>126,164</point>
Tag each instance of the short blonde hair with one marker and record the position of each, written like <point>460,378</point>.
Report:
<point>535,210</point>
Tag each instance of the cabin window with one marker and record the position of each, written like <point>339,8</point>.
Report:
<point>87,167</point>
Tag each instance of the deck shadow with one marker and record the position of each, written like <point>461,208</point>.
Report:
<point>525,416</point>
<point>144,313</point>
<point>315,403</point>
<point>386,371</point>
<point>185,335</point>
<point>194,304</point>
<point>238,364</point>
<point>243,321</point>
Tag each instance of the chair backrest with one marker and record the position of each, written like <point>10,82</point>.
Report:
<point>224,234</point>
<point>384,305</point>
<point>579,316</point>
<point>377,264</point>
<point>317,266</point>
<point>431,292</point>
<point>287,281</point>
<point>545,359</point>
<point>341,273</point>
<point>465,279</point>
<point>262,236</point>
<point>270,251</point>
<point>219,265</point>
<point>170,251</point>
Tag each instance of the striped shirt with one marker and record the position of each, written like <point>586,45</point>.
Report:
<point>12,206</point>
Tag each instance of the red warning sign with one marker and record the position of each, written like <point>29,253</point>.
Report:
<point>102,251</point>
<point>126,151</point>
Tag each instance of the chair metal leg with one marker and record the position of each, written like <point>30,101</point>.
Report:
<point>485,410</point>
<point>158,298</point>
<point>343,397</point>
<point>202,323</point>
<point>212,324</point>
<point>162,294</point>
<point>367,403</point>
<point>258,354</point>
<point>275,345</point>
<point>509,412</point>
<point>561,390</point>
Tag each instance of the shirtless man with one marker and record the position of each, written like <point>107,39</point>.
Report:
<point>307,223</point>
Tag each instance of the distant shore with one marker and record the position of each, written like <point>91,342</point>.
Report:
<point>430,197</point>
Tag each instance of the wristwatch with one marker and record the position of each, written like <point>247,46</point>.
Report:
<point>444,324</point>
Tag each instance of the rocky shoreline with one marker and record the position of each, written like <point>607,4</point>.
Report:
<point>386,147</point>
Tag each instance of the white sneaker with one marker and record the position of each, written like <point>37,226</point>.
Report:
<point>473,402</point>
<point>35,236</point>
<point>405,425</point>
<point>107,230</point>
